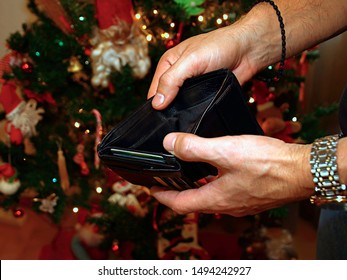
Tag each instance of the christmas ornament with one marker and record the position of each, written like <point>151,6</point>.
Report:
<point>119,42</point>
<point>177,240</point>
<point>18,213</point>
<point>75,65</point>
<point>47,204</point>
<point>88,238</point>
<point>78,75</point>
<point>63,173</point>
<point>132,197</point>
<point>115,47</point>
<point>27,67</point>
<point>98,135</point>
<point>22,116</point>
<point>270,116</point>
<point>115,246</point>
<point>79,159</point>
<point>9,183</point>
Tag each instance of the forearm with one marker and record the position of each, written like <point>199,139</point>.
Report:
<point>307,23</point>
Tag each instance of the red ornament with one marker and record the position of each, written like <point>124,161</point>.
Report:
<point>18,213</point>
<point>27,67</point>
<point>170,43</point>
<point>115,247</point>
<point>88,51</point>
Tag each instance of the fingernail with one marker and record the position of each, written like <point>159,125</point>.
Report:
<point>169,143</point>
<point>158,100</point>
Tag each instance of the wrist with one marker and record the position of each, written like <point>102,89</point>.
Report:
<point>263,35</point>
<point>330,192</point>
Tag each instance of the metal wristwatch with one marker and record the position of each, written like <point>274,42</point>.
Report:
<point>329,192</point>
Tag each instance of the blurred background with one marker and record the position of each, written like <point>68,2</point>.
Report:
<point>82,67</point>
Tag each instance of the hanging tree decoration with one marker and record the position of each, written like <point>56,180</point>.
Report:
<point>22,117</point>
<point>9,182</point>
<point>117,43</point>
<point>98,135</point>
<point>47,204</point>
<point>63,173</point>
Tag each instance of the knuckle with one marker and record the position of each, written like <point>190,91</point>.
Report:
<point>166,79</point>
<point>185,146</point>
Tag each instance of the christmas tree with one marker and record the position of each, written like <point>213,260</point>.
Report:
<point>73,74</point>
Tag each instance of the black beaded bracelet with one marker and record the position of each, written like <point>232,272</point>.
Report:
<point>280,70</point>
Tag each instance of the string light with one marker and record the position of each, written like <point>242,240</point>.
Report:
<point>172,24</point>
<point>294,119</point>
<point>200,18</point>
<point>98,189</point>
<point>75,209</point>
<point>149,37</point>
<point>155,12</point>
<point>251,100</point>
<point>225,16</point>
<point>219,21</point>
<point>144,27</point>
<point>77,124</point>
<point>87,131</point>
<point>165,35</point>
<point>137,16</point>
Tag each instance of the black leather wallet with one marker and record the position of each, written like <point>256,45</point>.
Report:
<point>209,105</point>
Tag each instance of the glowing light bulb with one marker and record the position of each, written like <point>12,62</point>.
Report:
<point>251,100</point>
<point>75,209</point>
<point>225,16</point>
<point>155,12</point>
<point>77,124</point>
<point>137,16</point>
<point>165,35</point>
<point>144,27</point>
<point>219,21</point>
<point>200,18</point>
<point>294,119</point>
<point>172,24</point>
<point>149,37</point>
<point>98,189</point>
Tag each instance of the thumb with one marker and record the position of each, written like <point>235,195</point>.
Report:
<point>190,147</point>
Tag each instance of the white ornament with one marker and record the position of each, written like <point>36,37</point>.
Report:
<point>8,188</point>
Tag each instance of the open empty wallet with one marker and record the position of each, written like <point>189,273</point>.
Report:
<point>210,105</point>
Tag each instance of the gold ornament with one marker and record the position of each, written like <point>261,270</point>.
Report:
<point>75,65</point>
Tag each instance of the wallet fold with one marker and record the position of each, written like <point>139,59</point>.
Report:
<point>210,105</point>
